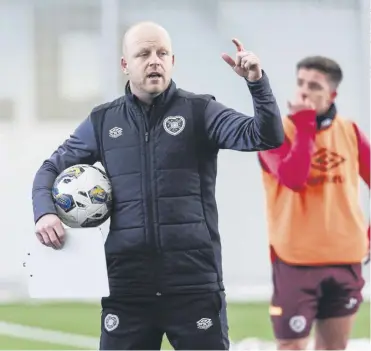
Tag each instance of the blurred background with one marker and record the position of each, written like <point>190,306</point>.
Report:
<point>60,58</point>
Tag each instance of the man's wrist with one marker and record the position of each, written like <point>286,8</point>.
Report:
<point>305,122</point>
<point>257,81</point>
<point>38,216</point>
<point>259,87</point>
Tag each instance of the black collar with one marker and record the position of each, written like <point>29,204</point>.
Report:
<point>161,99</point>
<point>324,121</point>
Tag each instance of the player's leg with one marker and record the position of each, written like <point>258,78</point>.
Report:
<point>333,333</point>
<point>129,324</point>
<point>196,321</point>
<point>342,296</point>
<point>294,304</point>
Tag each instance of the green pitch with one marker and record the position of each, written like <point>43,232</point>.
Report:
<point>245,320</point>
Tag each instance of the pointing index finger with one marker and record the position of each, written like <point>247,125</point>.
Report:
<point>238,44</point>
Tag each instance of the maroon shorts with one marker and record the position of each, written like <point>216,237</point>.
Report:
<point>305,293</point>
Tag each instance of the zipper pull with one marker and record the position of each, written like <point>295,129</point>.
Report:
<point>146,137</point>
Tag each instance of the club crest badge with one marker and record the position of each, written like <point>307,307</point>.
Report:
<point>111,322</point>
<point>174,125</point>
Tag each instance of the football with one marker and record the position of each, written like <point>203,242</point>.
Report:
<point>83,196</point>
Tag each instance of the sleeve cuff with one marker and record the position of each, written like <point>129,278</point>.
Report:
<point>42,212</point>
<point>260,85</point>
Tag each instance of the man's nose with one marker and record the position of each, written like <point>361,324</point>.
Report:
<point>302,93</point>
<point>154,59</point>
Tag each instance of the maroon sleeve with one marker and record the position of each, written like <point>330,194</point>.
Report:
<point>363,155</point>
<point>290,163</point>
<point>363,159</point>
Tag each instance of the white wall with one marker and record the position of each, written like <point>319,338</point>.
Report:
<point>280,32</point>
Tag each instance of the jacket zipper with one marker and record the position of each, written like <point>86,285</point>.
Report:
<point>150,201</point>
<point>149,197</point>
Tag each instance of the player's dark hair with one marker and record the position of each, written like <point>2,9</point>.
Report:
<point>325,65</point>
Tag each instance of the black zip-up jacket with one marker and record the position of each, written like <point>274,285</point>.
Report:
<point>162,164</point>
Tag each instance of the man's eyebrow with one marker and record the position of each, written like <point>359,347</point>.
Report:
<point>141,49</point>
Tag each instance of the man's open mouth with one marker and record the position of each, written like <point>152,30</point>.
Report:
<point>154,75</point>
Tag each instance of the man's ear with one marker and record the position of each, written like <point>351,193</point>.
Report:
<point>124,65</point>
<point>334,94</point>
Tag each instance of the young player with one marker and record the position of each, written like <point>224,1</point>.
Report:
<point>317,232</point>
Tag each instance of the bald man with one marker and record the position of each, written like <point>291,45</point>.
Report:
<point>159,146</point>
